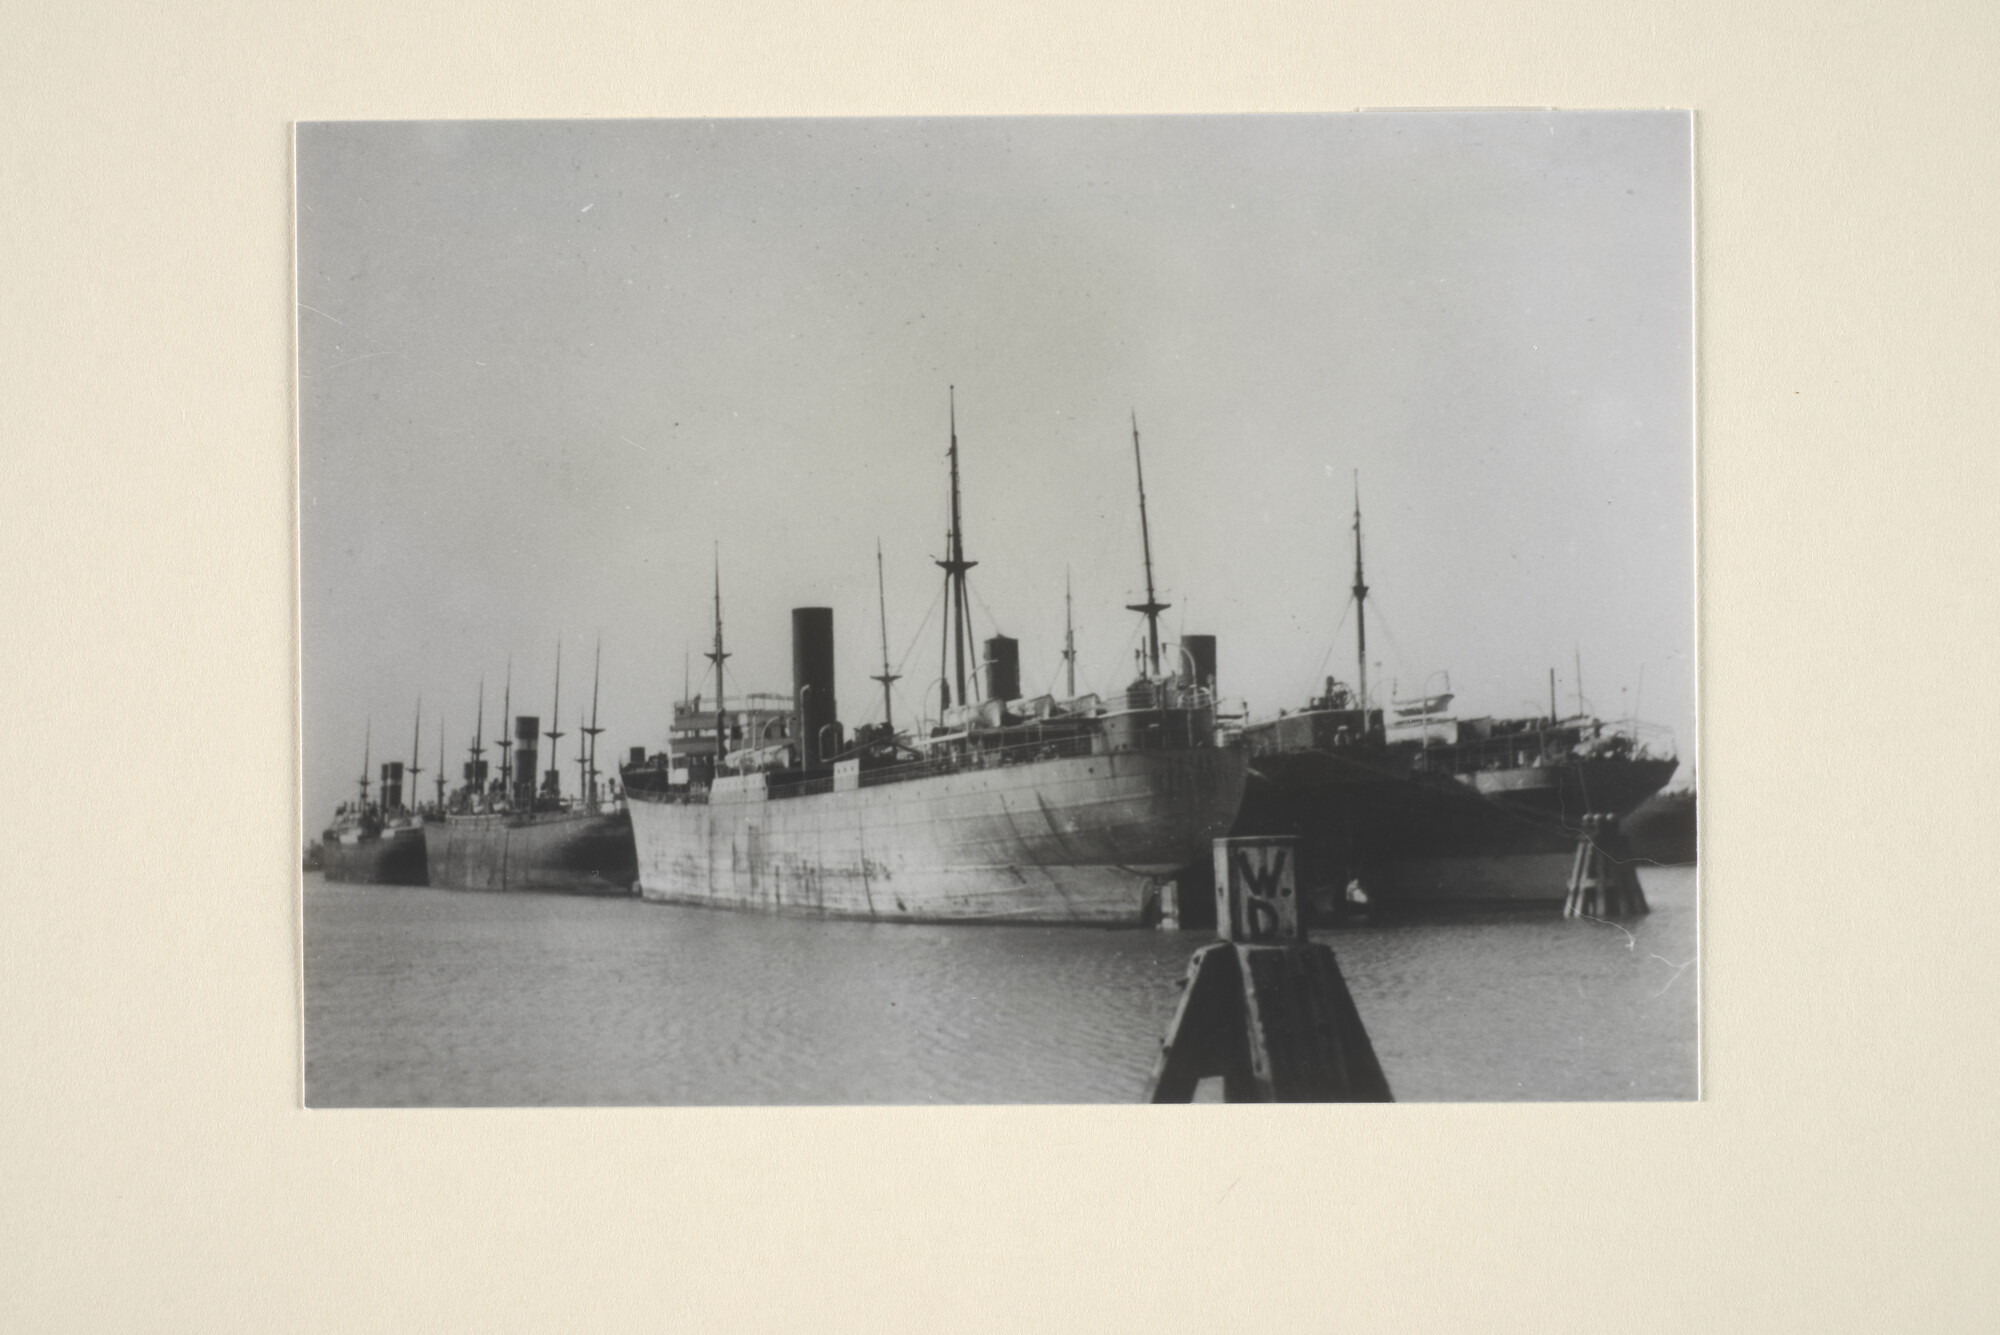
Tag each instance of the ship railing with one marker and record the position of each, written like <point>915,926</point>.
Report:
<point>1518,750</point>
<point>1654,740</point>
<point>981,753</point>
<point>693,794</point>
<point>965,752</point>
<point>1048,744</point>
<point>1166,693</point>
<point>1531,747</point>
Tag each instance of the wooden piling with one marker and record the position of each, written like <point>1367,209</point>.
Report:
<point>1603,882</point>
<point>1264,1009</point>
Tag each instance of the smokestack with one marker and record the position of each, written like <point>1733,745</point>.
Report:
<point>638,755</point>
<point>1201,653</point>
<point>1003,668</point>
<point>392,785</point>
<point>527,729</point>
<point>812,679</point>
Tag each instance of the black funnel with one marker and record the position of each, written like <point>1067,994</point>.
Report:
<point>1200,650</point>
<point>1003,668</point>
<point>527,729</point>
<point>812,679</point>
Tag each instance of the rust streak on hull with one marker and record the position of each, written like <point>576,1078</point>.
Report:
<point>1074,840</point>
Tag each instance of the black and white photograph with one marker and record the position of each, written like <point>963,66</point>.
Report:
<point>998,610</point>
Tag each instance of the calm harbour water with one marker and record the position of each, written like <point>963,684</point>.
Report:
<point>439,997</point>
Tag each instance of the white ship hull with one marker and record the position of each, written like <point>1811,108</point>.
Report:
<point>1087,839</point>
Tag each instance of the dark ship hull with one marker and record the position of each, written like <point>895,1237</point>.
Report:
<point>574,852</point>
<point>393,858</point>
<point>1565,792</point>
<point>1509,836</point>
<point>1662,829</point>
<point>1373,830</point>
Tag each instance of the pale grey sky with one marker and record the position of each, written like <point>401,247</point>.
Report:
<point>547,366</point>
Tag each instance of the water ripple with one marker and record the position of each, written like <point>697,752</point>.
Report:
<point>418,997</point>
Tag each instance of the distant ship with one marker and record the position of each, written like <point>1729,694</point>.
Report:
<point>379,842</point>
<point>1423,807</point>
<point>1044,810</point>
<point>1663,829</point>
<point>515,833</point>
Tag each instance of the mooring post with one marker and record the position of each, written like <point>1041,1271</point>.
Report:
<point>1265,1009</point>
<point>1602,881</point>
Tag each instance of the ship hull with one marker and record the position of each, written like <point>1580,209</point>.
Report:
<point>1081,840</point>
<point>570,852</point>
<point>1569,791</point>
<point>1497,880</point>
<point>1494,837</point>
<point>1662,829</point>
<point>398,859</point>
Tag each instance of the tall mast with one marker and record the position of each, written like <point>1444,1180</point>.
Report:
<point>555,721</point>
<point>957,553</point>
<point>416,742</point>
<point>944,634</point>
<point>589,780</point>
<point>367,738</point>
<point>959,626</point>
<point>882,597</point>
<point>1152,607</point>
<point>506,742</point>
<point>1069,636</point>
<point>1579,681</point>
<point>716,656</point>
<point>473,782</point>
<point>439,777</point>
<point>1360,607</point>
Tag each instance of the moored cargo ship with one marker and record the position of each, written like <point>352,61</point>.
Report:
<point>1007,810</point>
<point>360,849</point>
<point>513,833</point>
<point>1066,818</point>
<point>377,842</point>
<point>1419,807</point>
<point>576,850</point>
<point>1504,806</point>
